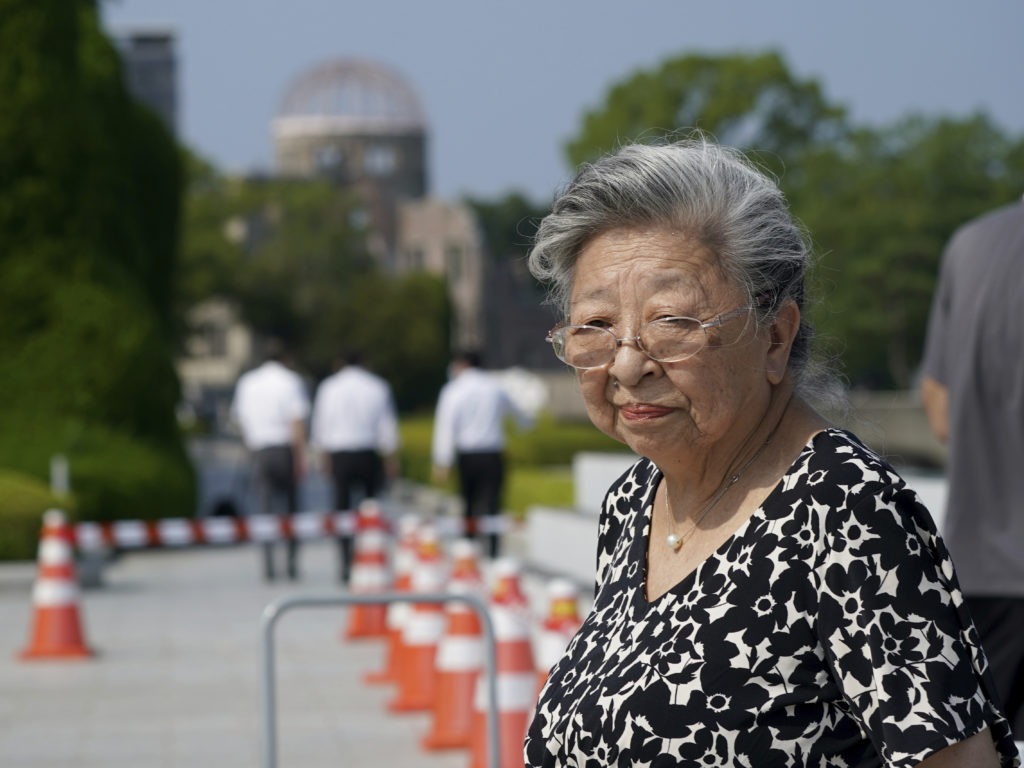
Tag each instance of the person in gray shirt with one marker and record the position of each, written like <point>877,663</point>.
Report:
<point>973,392</point>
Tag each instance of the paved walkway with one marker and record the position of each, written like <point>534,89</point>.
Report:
<point>177,680</point>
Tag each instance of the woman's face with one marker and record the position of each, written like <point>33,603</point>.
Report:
<point>669,411</point>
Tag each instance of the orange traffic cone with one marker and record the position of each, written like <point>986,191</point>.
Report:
<point>369,573</point>
<point>517,675</point>
<point>460,655</point>
<point>558,628</point>
<point>423,629</point>
<point>57,631</point>
<point>403,561</point>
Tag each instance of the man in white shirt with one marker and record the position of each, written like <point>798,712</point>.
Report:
<point>469,431</point>
<point>270,407</point>
<point>356,428</point>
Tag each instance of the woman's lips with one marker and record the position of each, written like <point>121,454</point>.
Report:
<point>643,411</point>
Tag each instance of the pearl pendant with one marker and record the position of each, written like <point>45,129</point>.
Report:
<point>674,541</point>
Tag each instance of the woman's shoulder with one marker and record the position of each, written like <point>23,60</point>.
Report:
<point>847,482</point>
<point>840,451</point>
<point>635,480</point>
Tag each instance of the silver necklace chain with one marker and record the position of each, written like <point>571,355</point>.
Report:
<point>676,542</point>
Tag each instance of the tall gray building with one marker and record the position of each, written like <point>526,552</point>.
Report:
<point>150,69</point>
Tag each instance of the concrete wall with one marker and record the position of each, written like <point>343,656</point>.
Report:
<point>564,541</point>
<point>895,425</point>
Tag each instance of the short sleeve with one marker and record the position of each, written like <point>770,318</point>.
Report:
<point>297,402</point>
<point>897,636</point>
<point>934,362</point>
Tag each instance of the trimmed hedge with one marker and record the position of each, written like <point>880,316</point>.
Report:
<point>113,475</point>
<point>25,499</point>
<point>538,458</point>
<point>550,443</point>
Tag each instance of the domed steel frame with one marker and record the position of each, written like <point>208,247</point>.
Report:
<point>351,95</point>
<point>361,125</point>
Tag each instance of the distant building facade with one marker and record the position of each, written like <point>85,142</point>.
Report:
<point>359,124</point>
<point>217,350</point>
<point>443,239</point>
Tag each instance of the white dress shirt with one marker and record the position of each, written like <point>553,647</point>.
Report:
<point>470,416</point>
<point>354,411</point>
<point>268,401</point>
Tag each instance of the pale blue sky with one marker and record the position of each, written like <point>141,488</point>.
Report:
<point>505,85</point>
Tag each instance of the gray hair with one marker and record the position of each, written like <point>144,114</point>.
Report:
<point>711,193</point>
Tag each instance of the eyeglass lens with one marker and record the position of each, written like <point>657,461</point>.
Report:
<point>668,340</point>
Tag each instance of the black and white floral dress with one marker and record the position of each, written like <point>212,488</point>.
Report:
<point>829,630</point>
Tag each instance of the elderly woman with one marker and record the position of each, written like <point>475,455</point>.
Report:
<point>770,593</point>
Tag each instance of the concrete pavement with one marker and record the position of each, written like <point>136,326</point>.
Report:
<point>177,680</point>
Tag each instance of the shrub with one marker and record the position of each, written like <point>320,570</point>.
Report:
<point>538,458</point>
<point>25,499</point>
<point>113,475</point>
<point>554,443</point>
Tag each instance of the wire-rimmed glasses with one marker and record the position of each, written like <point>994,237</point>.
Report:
<point>666,340</point>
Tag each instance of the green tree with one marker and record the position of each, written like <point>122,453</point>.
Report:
<point>289,254</point>
<point>284,250</point>
<point>881,208</point>
<point>879,203</point>
<point>508,224</point>
<point>88,218</point>
<point>402,324</point>
<point>748,101</point>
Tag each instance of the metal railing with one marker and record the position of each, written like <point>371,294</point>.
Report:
<point>275,610</point>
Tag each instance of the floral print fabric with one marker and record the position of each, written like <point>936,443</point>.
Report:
<point>829,630</point>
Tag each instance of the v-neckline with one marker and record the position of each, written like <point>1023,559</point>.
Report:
<point>641,544</point>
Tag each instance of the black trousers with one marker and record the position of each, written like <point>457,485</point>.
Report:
<point>1000,624</point>
<point>356,475</point>
<point>481,482</point>
<point>276,494</point>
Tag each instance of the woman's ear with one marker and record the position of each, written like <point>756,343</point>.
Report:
<point>781,334</point>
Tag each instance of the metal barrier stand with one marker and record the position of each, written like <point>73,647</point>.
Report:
<point>275,610</point>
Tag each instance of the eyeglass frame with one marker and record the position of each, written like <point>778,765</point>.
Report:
<point>718,320</point>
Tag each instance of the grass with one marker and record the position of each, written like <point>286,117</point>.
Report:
<point>539,460</point>
<point>538,486</point>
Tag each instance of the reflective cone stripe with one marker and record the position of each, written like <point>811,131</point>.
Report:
<point>369,573</point>
<point>516,672</point>
<point>558,627</point>
<point>460,656</point>
<point>403,561</point>
<point>422,631</point>
<point>57,627</point>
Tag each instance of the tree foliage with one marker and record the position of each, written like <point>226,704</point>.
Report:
<point>744,100</point>
<point>89,221</point>
<point>879,203</point>
<point>881,208</point>
<point>291,256</point>
<point>508,224</point>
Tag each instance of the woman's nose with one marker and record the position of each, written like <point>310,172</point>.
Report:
<point>630,363</point>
